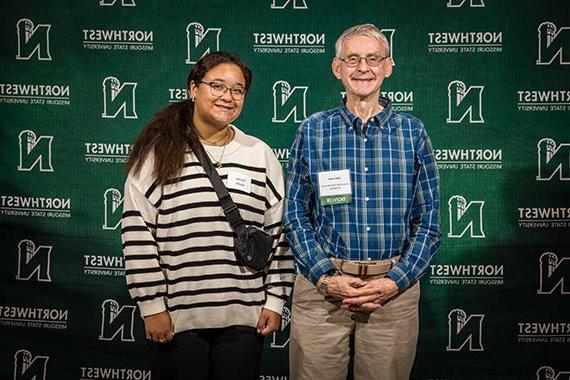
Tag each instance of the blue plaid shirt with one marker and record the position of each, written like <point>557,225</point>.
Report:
<point>395,193</point>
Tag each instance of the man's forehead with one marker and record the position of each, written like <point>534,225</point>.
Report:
<point>360,44</point>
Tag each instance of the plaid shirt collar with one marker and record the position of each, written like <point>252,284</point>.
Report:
<point>381,117</point>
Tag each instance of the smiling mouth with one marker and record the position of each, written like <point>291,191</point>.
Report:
<point>226,108</point>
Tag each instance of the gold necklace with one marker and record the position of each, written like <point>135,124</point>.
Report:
<point>215,143</point>
<point>218,163</point>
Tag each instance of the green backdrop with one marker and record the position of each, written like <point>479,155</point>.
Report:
<point>489,78</point>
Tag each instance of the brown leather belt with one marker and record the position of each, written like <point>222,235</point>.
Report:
<point>365,268</point>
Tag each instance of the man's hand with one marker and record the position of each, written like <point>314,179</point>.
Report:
<point>344,286</point>
<point>268,322</point>
<point>372,295</point>
<point>158,327</point>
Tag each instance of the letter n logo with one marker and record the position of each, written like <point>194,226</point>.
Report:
<point>553,44</point>
<point>548,373</point>
<point>552,160</point>
<point>200,42</point>
<point>465,331</point>
<point>113,213</point>
<point>459,3</point>
<point>281,338</point>
<point>281,4</point>
<point>33,261</point>
<point>33,39</point>
<point>465,216</point>
<point>119,97</point>
<point>389,33</point>
<point>124,3</point>
<point>554,273</point>
<point>27,367</point>
<point>34,150</point>
<point>287,102</point>
<point>117,321</point>
<point>464,101</point>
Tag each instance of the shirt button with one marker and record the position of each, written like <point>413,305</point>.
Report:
<point>365,139</point>
<point>367,228</point>
<point>366,168</point>
<point>367,199</point>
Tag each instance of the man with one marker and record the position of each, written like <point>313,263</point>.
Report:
<point>362,218</point>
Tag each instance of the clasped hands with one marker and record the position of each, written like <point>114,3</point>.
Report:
<point>361,295</point>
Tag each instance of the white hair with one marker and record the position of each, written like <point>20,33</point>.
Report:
<point>368,30</point>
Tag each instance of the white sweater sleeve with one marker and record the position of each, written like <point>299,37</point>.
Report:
<point>145,279</point>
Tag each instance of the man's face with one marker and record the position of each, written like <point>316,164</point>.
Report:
<point>362,81</point>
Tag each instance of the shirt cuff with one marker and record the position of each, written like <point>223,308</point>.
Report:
<point>151,307</point>
<point>320,268</point>
<point>274,304</point>
<point>399,277</point>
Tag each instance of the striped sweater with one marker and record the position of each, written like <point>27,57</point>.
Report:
<point>179,247</point>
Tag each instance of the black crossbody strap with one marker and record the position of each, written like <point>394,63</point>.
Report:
<point>228,205</point>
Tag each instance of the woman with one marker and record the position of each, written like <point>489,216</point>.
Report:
<point>204,315</point>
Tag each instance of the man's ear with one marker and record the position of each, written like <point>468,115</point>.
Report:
<point>388,68</point>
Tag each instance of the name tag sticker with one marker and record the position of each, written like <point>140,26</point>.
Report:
<point>239,181</point>
<point>334,187</point>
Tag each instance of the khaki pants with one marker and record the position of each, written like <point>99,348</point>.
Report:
<point>384,348</point>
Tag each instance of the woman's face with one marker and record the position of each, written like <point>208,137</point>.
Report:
<point>213,107</point>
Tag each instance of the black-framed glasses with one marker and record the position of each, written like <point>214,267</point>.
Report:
<point>371,60</point>
<point>218,89</point>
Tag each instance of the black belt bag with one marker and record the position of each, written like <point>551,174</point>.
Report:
<point>253,246</point>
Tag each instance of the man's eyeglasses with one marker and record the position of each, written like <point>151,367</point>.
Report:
<point>218,89</point>
<point>371,60</point>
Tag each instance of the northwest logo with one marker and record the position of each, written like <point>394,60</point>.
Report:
<point>389,34</point>
<point>117,321</point>
<point>110,3</point>
<point>543,100</point>
<point>464,101</point>
<point>465,216</point>
<point>465,331</point>
<point>402,101</point>
<point>34,151</point>
<point>281,338</point>
<point>296,4</point>
<point>112,201</point>
<point>119,97</point>
<point>28,367</point>
<point>283,156</point>
<point>554,273</point>
<point>553,44</point>
<point>289,101</point>
<point>201,41</point>
<point>33,261</point>
<point>553,160</point>
<point>460,3</point>
<point>548,373</point>
<point>33,39</point>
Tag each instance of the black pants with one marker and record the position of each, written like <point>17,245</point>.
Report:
<point>208,354</point>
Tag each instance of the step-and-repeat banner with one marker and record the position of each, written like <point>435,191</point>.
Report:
<point>490,79</point>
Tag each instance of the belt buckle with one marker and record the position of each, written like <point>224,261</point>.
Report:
<point>362,269</point>
<point>358,265</point>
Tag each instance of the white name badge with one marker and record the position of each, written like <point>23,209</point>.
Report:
<point>239,181</point>
<point>334,187</point>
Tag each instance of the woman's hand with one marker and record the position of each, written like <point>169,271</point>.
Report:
<point>268,322</point>
<point>158,327</point>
